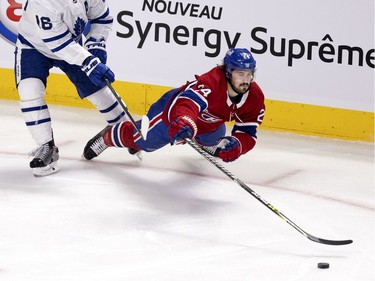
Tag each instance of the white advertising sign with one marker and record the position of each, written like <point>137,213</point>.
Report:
<point>313,52</point>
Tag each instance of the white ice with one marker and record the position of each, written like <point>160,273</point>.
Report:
<point>175,216</point>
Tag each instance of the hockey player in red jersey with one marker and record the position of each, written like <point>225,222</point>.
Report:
<point>199,110</point>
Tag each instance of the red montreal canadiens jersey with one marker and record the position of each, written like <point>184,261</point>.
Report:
<point>206,101</point>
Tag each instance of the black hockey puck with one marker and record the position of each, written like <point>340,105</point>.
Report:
<point>323,265</point>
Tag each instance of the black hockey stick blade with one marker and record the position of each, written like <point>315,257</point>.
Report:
<point>210,158</point>
<point>327,241</point>
<point>118,98</point>
<point>281,215</point>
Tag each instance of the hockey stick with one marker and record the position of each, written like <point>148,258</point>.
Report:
<point>118,98</point>
<point>206,155</point>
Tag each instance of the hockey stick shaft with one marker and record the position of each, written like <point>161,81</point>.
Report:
<point>122,104</point>
<point>213,161</point>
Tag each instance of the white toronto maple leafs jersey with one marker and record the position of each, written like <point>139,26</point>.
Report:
<point>55,27</point>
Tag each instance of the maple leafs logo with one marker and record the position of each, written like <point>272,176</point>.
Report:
<point>79,26</point>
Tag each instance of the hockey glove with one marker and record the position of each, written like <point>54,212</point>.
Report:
<point>230,150</point>
<point>97,72</point>
<point>181,128</point>
<point>97,48</point>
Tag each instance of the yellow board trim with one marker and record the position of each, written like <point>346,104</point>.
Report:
<point>280,115</point>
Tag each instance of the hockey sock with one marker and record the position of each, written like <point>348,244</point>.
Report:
<point>106,103</point>
<point>37,119</point>
<point>120,135</point>
<point>35,110</point>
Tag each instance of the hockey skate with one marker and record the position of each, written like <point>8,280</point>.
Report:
<point>136,152</point>
<point>45,158</point>
<point>95,146</point>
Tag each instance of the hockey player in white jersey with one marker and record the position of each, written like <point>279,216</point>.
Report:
<point>51,35</point>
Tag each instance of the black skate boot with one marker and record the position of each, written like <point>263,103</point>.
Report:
<point>45,158</point>
<point>96,145</point>
<point>136,152</point>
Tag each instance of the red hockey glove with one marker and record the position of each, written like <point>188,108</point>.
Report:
<point>181,128</point>
<point>231,149</point>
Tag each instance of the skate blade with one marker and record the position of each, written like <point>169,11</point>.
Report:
<point>83,157</point>
<point>46,171</point>
<point>139,155</point>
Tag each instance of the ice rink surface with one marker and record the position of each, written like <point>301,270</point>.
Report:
<point>174,216</point>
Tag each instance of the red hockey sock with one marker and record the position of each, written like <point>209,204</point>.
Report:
<point>121,135</point>
<point>107,137</point>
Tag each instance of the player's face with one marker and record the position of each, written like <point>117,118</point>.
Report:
<point>241,80</point>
